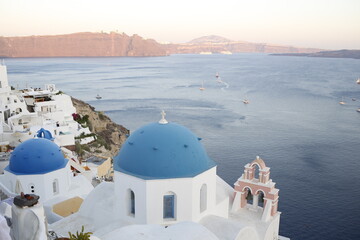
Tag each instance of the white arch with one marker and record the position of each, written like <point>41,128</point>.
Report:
<point>247,233</point>
<point>258,161</point>
<point>260,190</point>
<point>248,188</point>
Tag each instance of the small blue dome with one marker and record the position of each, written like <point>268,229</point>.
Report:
<point>36,156</point>
<point>43,133</point>
<point>160,151</point>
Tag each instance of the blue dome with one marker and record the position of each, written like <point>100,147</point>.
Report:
<point>36,156</point>
<point>160,151</point>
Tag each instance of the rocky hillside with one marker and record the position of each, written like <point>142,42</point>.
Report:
<point>115,44</point>
<point>110,135</point>
<point>79,45</point>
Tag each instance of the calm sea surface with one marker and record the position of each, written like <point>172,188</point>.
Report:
<point>294,121</point>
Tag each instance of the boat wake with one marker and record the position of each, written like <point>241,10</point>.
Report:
<point>226,85</point>
<point>223,83</point>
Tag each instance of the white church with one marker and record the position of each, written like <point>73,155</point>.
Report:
<point>165,187</point>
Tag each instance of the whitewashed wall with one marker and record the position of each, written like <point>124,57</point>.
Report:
<point>43,183</point>
<point>149,198</point>
<point>64,104</point>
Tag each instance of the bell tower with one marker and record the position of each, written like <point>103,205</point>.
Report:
<point>260,188</point>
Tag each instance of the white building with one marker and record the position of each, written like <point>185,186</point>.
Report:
<point>37,166</point>
<point>24,112</point>
<point>165,186</point>
<point>163,165</point>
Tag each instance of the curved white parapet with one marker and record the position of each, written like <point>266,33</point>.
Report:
<point>28,223</point>
<point>179,231</point>
<point>4,229</point>
<point>247,233</point>
<point>94,238</point>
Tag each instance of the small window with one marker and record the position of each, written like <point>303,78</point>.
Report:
<point>203,198</point>
<point>32,188</point>
<point>55,186</point>
<point>169,206</point>
<point>132,203</point>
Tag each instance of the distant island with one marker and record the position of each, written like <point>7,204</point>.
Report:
<point>326,54</point>
<point>217,44</point>
<point>115,44</point>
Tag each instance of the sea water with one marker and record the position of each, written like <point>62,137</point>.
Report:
<point>294,120</point>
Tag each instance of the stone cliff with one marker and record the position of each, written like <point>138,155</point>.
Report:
<point>115,45</point>
<point>113,135</point>
<point>80,45</point>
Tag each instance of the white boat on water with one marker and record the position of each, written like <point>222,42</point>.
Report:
<point>358,81</point>
<point>98,97</point>
<point>246,101</point>
<point>342,102</point>
<point>218,79</point>
<point>358,110</point>
<point>202,88</point>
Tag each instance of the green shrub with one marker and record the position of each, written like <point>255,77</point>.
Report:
<point>83,121</point>
<point>80,236</point>
<point>86,147</point>
<point>78,149</point>
<point>83,135</point>
<point>101,116</point>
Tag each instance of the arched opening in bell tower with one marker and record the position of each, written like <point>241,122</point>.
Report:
<point>248,195</point>
<point>261,196</point>
<point>256,168</point>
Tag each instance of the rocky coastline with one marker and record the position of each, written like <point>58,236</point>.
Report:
<point>355,54</point>
<point>109,135</point>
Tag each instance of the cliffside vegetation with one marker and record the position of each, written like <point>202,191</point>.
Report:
<point>109,136</point>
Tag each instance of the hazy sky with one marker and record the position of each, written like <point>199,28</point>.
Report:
<point>331,24</point>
